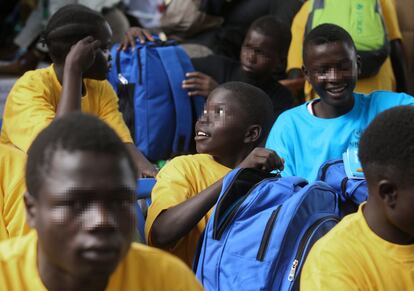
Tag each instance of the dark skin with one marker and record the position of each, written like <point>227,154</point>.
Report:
<point>296,78</point>
<point>258,60</point>
<point>332,70</point>
<point>389,208</point>
<point>219,129</point>
<point>86,207</point>
<point>88,58</point>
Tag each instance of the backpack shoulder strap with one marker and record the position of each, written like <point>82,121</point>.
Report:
<point>170,59</point>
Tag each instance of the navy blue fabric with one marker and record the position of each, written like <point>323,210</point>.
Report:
<point>260,239</point>
<point>163,112</point>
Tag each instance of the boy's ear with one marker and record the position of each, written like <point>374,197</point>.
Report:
<point>253,133</point>
<point>31,209</point>
<point>388,192</point>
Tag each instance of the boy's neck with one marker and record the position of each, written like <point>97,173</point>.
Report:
<point>59,71</point>
<point>256,80</point>
<point>323,110</point>
<point>232,161</point>
<point>55,279</point>
<point>380,225</point>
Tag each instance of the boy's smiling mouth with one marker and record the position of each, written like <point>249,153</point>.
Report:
<point>200,135</point>
<point>336,90</point>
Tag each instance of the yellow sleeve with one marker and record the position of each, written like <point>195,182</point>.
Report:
<point>28,110</point>
<point>171,189</point>
<point>13,210</point>
<point>298,31</point>
<point>325,271</point>
<point>391,19</point>
<point>109,112</point>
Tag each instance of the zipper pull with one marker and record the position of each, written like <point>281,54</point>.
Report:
<point>122,79</point>
<point>293,270</point>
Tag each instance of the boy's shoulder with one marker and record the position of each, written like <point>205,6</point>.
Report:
<point>153,258</point>
<point>292,114</point>
<point>191,160</point>
<point>378,101</point>
<point>161,269</point>
<point>37,79</point>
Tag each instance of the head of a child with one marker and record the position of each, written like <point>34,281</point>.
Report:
<point>236,119</point>
<point>69,25</point>
<point>330,64</point>
<point>386,152</point>
<point>265,47</point>
<point>80,197</point>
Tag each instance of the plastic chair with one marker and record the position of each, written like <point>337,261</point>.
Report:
<point>144,188</point>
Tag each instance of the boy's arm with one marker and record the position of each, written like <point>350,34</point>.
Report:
<point>399,64</point>
<point>186,215</point>
<point>145,168</point>
<point>79,59</point>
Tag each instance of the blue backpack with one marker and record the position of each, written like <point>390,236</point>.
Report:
<point>158,112</point>
<point>351,191</point>
<point>261,230</point>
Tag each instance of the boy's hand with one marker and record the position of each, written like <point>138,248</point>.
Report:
<point>132,34</point>
<point>82,55</point>
<point>199,84</point>
<point>263,159</point>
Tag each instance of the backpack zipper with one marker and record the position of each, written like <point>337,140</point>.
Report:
<point>304,241</point>
<point>267,234</point>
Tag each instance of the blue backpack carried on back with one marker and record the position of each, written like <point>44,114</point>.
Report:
<point>158,112</point>
<point>261,230</point>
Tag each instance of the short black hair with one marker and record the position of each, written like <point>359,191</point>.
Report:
<point>254,102</point>
<point>327,33</point>
<point>388,144</point>
<point>276,29</point>
<point>67,26</point>
<point>74,132</point>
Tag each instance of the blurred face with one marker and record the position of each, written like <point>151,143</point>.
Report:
<point>220,131</point>
<point>258,55</point>
<point>332,70</point>
<point>101,66</point>
<point>85,213</point>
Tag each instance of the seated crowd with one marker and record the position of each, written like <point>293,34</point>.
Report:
<point>69,164</point>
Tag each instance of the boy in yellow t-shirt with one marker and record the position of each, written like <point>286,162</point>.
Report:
<point>236,120</point>
<point>80,201</point>
<point>78,39</point>
<point>385,78</point>
<point>12,214</point>
<point>373,249</point>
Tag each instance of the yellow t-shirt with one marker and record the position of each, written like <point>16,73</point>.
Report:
<point>352,257</point>
<point>181,179</point>
<point>384,80</point>
<point>12,188</point>
<point>144,268</point>
<point>32,103</point>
